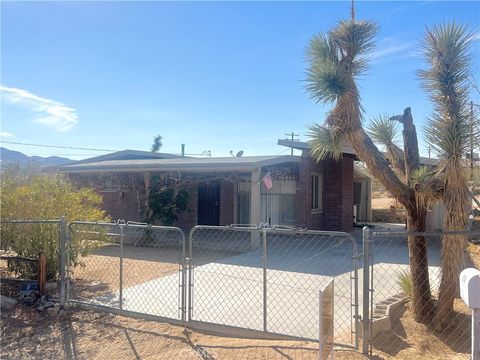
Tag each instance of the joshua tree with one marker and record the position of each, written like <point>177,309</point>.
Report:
<point>336,59</point>
<point>449,133</point>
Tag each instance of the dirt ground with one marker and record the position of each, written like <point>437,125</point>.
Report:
<point>81,334</point>
<point>100,271</point>
<point>411,340</point>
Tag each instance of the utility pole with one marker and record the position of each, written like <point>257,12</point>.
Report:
<point>352,10</point>
<point>293,136</point>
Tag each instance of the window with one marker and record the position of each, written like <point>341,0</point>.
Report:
<point>317,193</point>
<point>109,183</point>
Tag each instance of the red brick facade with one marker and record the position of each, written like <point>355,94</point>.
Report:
<point>337,213</point>
<point>128,203</point>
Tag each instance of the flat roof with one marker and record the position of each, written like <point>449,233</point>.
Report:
<point>215,164</point>
<point>302,145</point>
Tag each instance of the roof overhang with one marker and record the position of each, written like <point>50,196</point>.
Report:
<point>191,165</point>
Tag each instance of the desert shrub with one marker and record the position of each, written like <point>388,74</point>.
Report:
<point>404,280</point>
<point>39,197</point>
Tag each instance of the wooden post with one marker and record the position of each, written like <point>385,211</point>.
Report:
<point>42,271</point>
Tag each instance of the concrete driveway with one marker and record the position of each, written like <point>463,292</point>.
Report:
<point>230,291</point>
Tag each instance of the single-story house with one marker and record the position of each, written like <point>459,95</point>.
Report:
<point>231,190</point>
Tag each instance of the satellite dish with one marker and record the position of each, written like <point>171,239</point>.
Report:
<point>239,154</point>
<point>231,153</point>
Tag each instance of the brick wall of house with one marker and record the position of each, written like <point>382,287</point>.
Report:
<point>226,202</point>
<point>339,194</point>
<point>337,212</point>
<point>304,216</point>
<point>188,219</point>
<point>124,205</point>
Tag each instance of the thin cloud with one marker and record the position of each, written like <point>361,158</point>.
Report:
<point>389,50</point>
<point>6,134</point>
<point>48,112</point>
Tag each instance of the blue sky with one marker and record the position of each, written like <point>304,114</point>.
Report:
<point>216,76</point>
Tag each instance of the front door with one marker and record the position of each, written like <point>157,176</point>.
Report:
<point>209,204</point>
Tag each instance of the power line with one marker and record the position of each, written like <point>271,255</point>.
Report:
<point>55,146</point>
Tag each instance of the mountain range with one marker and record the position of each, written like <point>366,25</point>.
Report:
<point>8,157</point>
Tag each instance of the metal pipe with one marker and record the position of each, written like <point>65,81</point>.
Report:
<point>366,291</point>
<point>189,261</point>
<point>264,280</point>
<point>121,268</point>
<point>184,282</point>
<point>63,251</point>
<point>29,221</point>
<point>355,282</point>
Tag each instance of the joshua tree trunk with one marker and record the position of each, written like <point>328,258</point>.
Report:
<point>417,249</point>
<point>453,250</point>
<point>416,219</point>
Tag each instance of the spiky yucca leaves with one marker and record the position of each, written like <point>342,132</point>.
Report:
<point>446,51</point>
<point>335,59</point>
<point>427,188</point>
<point>385,131</point>
<point>324,143</point>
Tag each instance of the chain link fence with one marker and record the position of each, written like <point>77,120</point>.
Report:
<point>268,280</point>
<point>253,282</point>
<point>390,313</point>
<point>129,267</point>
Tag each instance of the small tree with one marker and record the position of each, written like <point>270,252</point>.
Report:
<point>157,143</point>
<point>166,199</point>
<point>43,197</point>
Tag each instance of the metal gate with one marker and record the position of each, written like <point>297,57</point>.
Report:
<point>129,268</point>
<point>250,279</point>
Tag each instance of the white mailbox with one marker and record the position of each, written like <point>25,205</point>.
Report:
<point>470,287</point>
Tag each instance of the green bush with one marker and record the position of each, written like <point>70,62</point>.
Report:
<point>44,197</point>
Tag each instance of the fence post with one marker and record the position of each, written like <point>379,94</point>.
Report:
<point>264,233</point>
<point>355,294</point>
<point>366,291</point>
<point>183,285</point>
<point>42,271</point>
<point>63,255</point>
<point>121,268</point>
<point>190,276</point>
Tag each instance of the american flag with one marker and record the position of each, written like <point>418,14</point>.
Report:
<point>267,180</point>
